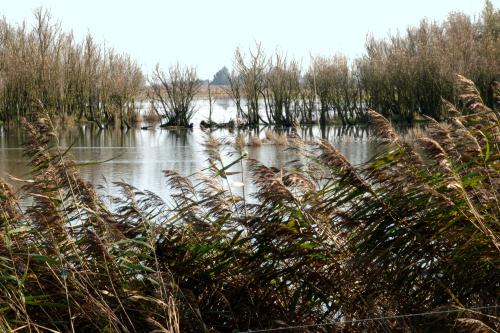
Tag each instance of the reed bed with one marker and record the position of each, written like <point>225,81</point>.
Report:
<point>151,116</point>
<point>414,231</point>
<point>276,138</point>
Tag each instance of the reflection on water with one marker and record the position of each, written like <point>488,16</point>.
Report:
<point>138,157</point>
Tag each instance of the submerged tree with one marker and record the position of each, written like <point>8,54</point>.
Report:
<point>319,78</point>
<point>308,105</point>
<point>407,75</point>
<point>173,93</point>
<point>234,91</point>
<point>282,90</point>
<point>251,74</point>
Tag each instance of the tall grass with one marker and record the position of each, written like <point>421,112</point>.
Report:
<point>68,263</point>
<point>413,231</point>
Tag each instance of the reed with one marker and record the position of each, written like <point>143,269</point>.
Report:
<point>414,230</point>
<point>276,138</point>
<point>151,116</point>
<point>72,264</point>
<point>255,141</point>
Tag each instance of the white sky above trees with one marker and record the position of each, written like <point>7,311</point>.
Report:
<point>205,33</point>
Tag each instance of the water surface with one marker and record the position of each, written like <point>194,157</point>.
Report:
<point>138,157</point>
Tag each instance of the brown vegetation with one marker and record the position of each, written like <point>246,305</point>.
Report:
<point>402,77</point>
<point>327,247</point>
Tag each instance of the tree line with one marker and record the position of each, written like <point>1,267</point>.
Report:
<point>83,79</point>
<point>403,77</point>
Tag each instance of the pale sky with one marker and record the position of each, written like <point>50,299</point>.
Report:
<point>205,33</point>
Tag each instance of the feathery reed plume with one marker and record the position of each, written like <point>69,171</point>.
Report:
<point>449,108</point>
<point>270,182</point>
<point>179,183</point>
<point>437,154</point>
<point>472,100</point>
<point>215,197</point>
<point>468,143</point>
<point>334,160</point>
<point>383,127</point>
<point>298,181</point>
<point>441,133</point>
<point>72,266</point>
<point>8,204</point>
<point>469,93</point>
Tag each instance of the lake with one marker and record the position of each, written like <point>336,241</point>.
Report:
<point>138,157</point>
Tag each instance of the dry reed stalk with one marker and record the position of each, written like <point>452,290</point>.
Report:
<point>279,139</point>
<point>255,141</point>
<point>441,133</point>
<point>239,142</point>
<point>333,159</point>
<point>8,203</point>
<point>270,135</point>
<point>391,237</point>
<point>383,127</point>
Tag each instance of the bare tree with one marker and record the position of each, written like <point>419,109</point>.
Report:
<point>234,91</point>
<point>343,90</point>
<point>173,94</point>
<point>282,89</point>
<point>307,95</point>
<point>252,75</point>
<point>68,78</point>
<point>319,77</point>
<point>211,100</point>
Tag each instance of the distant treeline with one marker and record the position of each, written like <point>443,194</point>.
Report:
<point>401,77</point>
<point>82,79</point>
